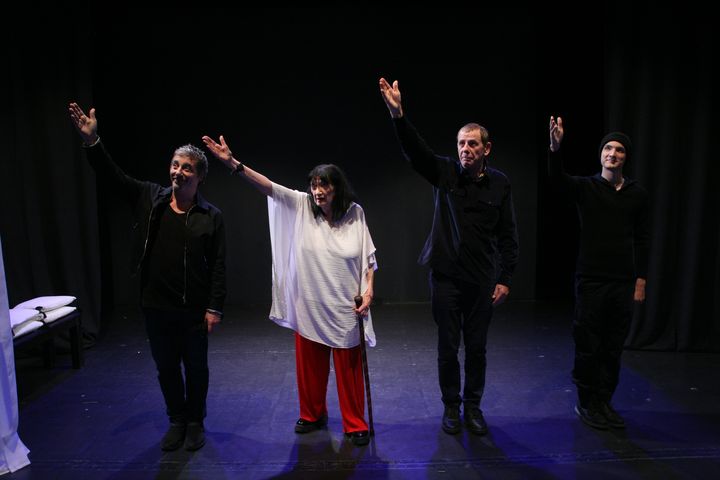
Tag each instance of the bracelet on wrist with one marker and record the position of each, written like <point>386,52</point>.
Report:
<point>238,169</point>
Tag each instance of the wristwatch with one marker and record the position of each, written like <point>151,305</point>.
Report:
<point>238,168</point>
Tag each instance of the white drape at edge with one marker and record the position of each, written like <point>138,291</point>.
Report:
<point>13,453</point>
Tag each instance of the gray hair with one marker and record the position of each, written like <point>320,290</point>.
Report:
<point>194,153</point>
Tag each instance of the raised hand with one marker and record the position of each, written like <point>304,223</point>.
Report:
<point>556,133</point>
<point>392,97</point>
<point>220,150</point>
<point>84,124</point>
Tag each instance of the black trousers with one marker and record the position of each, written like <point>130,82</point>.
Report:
<point>603,313</point>
<point>180,338</point>
<point>461,310</point>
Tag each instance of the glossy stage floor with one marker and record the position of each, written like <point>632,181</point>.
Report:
<point>105,420</point>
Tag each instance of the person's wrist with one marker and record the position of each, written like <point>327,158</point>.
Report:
<point>238,168</point>
<point>91,141</point>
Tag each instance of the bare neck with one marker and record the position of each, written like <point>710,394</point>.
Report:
<point>182,203</point>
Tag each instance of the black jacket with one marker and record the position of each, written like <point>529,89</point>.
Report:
<point>204,245</point>
<point>474,233</point>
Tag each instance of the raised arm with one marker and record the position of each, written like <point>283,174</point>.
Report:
<point>556,133</point>
<point>555,164</point>
<point>84,124</point>
<point>392,97</point>
<point>222,152</point>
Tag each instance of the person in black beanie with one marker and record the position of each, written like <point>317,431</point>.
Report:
<point>611,270</point>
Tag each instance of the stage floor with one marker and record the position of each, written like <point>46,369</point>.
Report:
<point>105,420</point>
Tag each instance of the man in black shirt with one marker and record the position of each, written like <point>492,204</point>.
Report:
<point>611,270</point>
<point>180,253</point>
<point>472,251</point>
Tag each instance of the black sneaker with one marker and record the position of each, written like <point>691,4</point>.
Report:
<point>614,420</point>
<point>195,437</point>
<point>306,426</point>
<point>451,420</point>
<point>475,422</point>
<point>592,416</point>
<point>173,438</point>
<point>359,438</point>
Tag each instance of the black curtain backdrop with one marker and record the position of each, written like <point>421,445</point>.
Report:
<point>662,86</point>
<point>292,88</point>
<point>48,219</point>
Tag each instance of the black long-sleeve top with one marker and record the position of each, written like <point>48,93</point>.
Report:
<point>614,224</point>
<point>474,234</point>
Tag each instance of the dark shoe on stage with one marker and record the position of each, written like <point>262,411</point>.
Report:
<point>306,426</point>
<point>592,416</point>
<point>475,422</point>
<point>451,420</point>
<point>195,437</point>
<point>173,438</point>
<point>614,420</point>
<point>359,438</point>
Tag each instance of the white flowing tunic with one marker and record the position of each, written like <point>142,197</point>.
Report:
<point>317,268</point>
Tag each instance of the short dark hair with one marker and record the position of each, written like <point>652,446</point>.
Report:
<point>194,153</point>
<point>484,134</point>
<point>344,194</point>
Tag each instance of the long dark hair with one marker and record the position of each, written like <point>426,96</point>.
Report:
<point>344,194</point>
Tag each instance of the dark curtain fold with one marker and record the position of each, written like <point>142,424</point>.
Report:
<point>660,89</point>
<point>48,215</point>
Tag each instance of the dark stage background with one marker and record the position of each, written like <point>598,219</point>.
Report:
<point>292,88</point>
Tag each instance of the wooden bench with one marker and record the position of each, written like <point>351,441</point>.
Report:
<point>46,336</point>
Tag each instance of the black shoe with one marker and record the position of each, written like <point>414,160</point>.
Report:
<point>475,422</point>
<point>306,426</point>
<point>613,418</point>
<point>195,437</point>
<point>173,438</point>
<point>451,420</point>
<point>359,438</point>
<point>592,416</point>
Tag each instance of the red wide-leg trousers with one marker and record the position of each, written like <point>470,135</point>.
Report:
<point>312,361</point>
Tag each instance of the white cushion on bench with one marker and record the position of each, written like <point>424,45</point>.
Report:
<point>47,303</point>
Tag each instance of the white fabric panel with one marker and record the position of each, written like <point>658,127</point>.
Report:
<point>13,453</point>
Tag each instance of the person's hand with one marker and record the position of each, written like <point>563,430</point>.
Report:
<point>556,133</point>
<point>500,294</point>
<point>212,319</point>
<point>391,95</point>
<point>639,294</point>
<point>84,124</point>
<point>220,150</point>
<point>364,307</point>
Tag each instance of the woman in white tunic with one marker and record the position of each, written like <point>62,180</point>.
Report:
<point>323,256</point>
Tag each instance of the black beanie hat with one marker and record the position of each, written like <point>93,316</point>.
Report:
<point>617,137</point>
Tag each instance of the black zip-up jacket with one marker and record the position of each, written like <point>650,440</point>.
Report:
<point>204,244</point>
<point>474,234</point>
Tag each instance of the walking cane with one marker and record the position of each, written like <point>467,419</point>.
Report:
<point>366,374</point>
